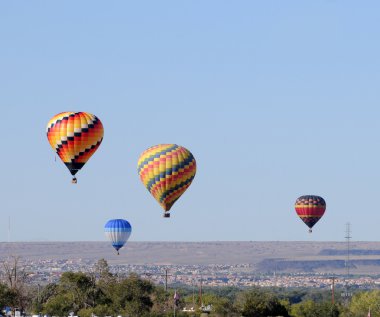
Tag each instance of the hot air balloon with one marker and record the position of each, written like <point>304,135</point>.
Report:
<point>75,136</point>
<point>310,209</point>
<point>118,232</point>
<point>166,170</point>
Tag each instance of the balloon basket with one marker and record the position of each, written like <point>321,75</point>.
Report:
<point>74,181</point>
<point>310,231</point>
<point>166,215</point>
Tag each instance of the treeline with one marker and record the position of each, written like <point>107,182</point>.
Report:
<point>102,293</point>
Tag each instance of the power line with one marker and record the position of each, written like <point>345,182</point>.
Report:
<point>9,228</point>
<point>347,294</point>
<point>348,238</point>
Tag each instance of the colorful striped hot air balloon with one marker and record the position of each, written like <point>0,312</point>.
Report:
<point>118,232</point>
<point>166,170</point>
<point>310,209</point>
<point>75,136</point>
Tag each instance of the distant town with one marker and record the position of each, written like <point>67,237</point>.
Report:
<point>213,278</point>
<point>42,272</point>
<point>212,264</point>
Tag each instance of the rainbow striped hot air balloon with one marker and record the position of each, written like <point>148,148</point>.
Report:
<point>74,136</point>
<point>166,170</point>
<point>310,209</point>
<point>118,232</point>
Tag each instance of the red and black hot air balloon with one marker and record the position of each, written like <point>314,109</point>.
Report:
<point>74,136</point>
<point>310,209</point>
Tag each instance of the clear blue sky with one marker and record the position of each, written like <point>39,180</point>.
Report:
<point>275,99</point>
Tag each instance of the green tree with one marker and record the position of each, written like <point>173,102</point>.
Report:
<point>81,287</point>
<point>310,308</point>
<point>59,305</point>
<point>256,303</point>
<point>104,310</point>
<point>86,312</point>
<point>132,296</point>
<point>105,283</point>
<point>222,307</point>
<point>77,290</point>
<point>102,273</point>
<point>162,302</point>
<point>361,302</point>
<point>7,297</point>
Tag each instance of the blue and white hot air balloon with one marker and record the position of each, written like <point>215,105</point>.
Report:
<point>118,232</point>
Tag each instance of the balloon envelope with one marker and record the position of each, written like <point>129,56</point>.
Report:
<point>310,209</point>
<point>166,170</point>
<point>118,232</point>
<point>75,136</point>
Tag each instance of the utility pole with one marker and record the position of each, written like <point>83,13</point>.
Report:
<point>166,275</point>
<point>200,292</point>
<point>166,280</point>
<point>333,291</point>
<point>193,292</point>
<point>38,299</point>
<point>332,296</point>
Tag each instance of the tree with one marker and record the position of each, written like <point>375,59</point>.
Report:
<point>42,295</point>
<point>102,272</point>
<point>81,287</point>
<point>162,303</point>
<point>74,291</point>
<point>222,307</point>
<point>361,302</point>
<point>132,296</point>
<point>310,308</point>
<point>15,278</point>
<point>59,305</point>
<point>105,280</point>
<point>256,303</point>
<point>7,297</point>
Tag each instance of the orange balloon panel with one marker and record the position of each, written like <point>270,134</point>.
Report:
<point>75,136</point>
